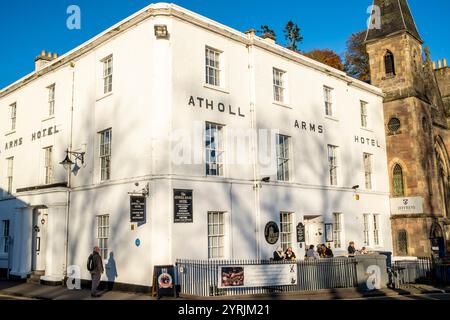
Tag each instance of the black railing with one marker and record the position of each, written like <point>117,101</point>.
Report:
<point>200,277</point>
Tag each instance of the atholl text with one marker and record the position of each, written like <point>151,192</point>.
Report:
<point>211,105</point>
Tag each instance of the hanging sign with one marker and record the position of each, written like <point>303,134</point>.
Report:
<point>137,209</point>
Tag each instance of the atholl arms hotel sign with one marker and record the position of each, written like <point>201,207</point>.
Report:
<point>34,136</point>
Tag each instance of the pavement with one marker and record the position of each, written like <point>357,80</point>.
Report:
<point>20,290</point>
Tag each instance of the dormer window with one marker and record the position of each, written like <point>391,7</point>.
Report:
<point>389,64</point>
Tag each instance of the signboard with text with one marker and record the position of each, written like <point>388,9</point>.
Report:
<point>182,206</point>
<point>409,205</point>
<point>248,276</point>
<point>137,209</point>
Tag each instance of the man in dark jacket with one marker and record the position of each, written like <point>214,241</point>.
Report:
<point>97,271</point>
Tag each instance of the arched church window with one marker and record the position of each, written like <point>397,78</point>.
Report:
<point>389,64</point>
<point>402,242</point>
<point>398,188</point>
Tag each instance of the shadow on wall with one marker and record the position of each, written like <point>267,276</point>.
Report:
<point>111,271</point>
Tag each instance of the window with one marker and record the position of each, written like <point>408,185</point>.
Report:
<point>389,64</point>
<point>103,235</point>
<point>397,181</point>
<point>376,229</point>
<point>4,237</point>
<point>215,149</point>
<point>51,100</point>
<point>216,235</point>
<point>368,170</point>
<point>328,95</point>
<point>366,229</point>
<point>283,157</point>
<point>105,154</point>
<point>333,164</point>
<point>337,217</point>
<point>286,230</point>
<point>48,165</point>
<point>394,125</point>
<point>402,242</point>
<point>9,175</point>
<point>213,65</point>
<point>107,74</point>
<point>363,114</point>
<point>278,85</point>
<point>13,113</point>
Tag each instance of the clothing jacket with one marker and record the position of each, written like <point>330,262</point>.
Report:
<point>98,263</point>
<point>277,256</point>
<point>351,250</point>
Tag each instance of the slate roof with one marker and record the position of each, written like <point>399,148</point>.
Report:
<point>396,17</point>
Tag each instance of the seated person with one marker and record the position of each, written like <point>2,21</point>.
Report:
<point>290,255</point>
<point>278,255</point>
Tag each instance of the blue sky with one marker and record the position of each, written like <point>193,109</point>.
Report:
<point>30,26</point>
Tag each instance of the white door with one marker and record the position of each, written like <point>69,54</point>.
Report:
<point>314,229</point>
<point>40,222</point>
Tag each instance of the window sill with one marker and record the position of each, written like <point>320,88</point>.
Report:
<point>216,88</point>
<point>10,133</point>
<point>284,105</point>
<point>106,95</point>
<point>215,177</point>
<point>367,129</point>
<point>48,119</point>
<point>332,118</point>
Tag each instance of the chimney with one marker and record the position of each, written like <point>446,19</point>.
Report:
<point>43,59</point>
<point>250,33</point>
<point>445,63</point>
<point>269,38</point>
<point>439,64</point>
<point>434,65</point>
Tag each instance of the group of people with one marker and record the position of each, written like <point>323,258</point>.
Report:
<point>322,252</point>
<point>281,255</point>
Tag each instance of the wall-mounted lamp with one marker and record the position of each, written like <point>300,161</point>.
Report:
<point>43,221</point>
<point>68,163</point>
<point>356,194</point>
<point>161,31</point>
<point>265,179</point>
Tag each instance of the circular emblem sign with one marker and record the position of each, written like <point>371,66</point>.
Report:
<point>165,281</point>
<point>137,242</point>
<point>271,232</point>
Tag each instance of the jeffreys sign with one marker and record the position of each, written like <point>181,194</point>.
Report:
<point>218,106</point>
<point>34,136</point>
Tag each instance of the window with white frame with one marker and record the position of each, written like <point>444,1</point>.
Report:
<point>376,229</point>
<point>283,157</point>
<point>48,165</point>
<point>279,85</point>
<point>213,66</point>
<point>363,114</point>
<point>4,237</point>
<point>337,232</point>
<point>105,154</point>
<point>13,115</point>
<point>107,74</point>
<point>10,175</point>
<point>328,96</point>
<point>366,229</point>
<point>215,149</point>
<point>367,158</point>
<point>286,230</point>
<point>333,164</point>
<point>216,235</point>
<point>51,100</point>
<point>103,235</point>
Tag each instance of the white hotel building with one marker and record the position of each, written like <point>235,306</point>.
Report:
<point>123,99</point>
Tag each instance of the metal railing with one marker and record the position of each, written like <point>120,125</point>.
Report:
<point>411,271</point>
<point>200,277</point>
<point>442,273</point>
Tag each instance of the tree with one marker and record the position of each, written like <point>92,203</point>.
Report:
<point>292,35</point>
<point>356,57</point>
<point>266,31</point>
<point>326,56</point>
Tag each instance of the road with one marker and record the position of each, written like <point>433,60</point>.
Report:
<point>8,297</point>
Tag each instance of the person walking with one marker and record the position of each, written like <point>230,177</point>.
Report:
<point>95,267</point>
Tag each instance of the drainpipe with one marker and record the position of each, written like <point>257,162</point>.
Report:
<point>69,178</point>
<point>256,184</point>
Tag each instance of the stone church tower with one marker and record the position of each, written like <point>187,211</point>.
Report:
<point>417,131</point>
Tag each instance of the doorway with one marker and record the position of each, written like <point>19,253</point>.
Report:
<point>314,230</point>
<point>39,239</point>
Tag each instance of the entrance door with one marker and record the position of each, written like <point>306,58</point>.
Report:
<point>40,222</point>
<point>314,229</point>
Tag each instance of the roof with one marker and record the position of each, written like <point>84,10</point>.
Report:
<point>396,17</point>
